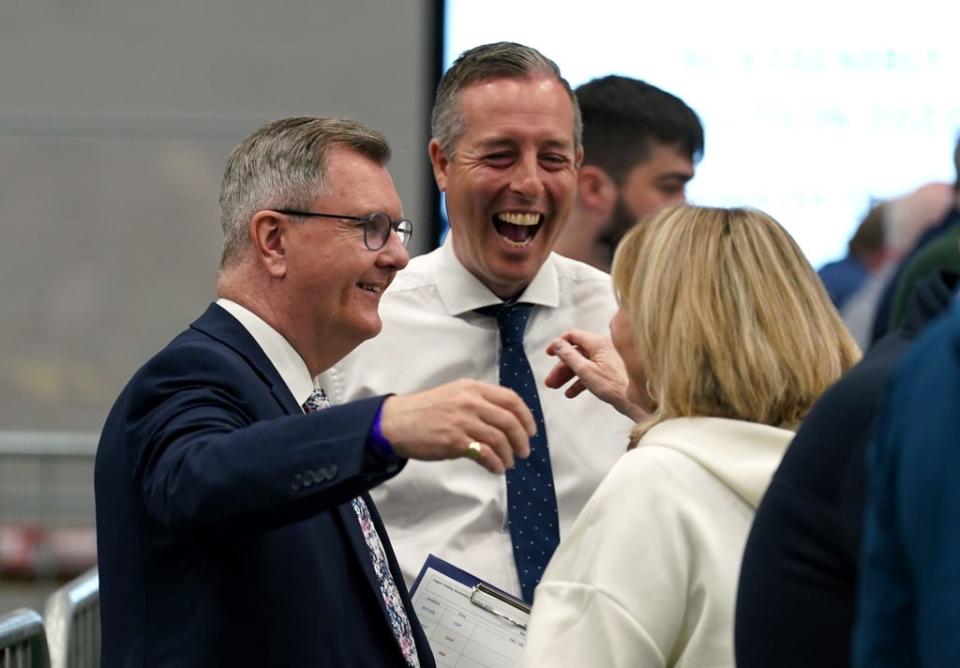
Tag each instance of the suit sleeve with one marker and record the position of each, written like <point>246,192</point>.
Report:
<point>210,447</point>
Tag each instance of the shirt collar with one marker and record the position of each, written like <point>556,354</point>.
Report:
<point>287,361</point>
<point>460,291</point>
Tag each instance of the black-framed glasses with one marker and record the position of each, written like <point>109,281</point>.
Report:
<point>376,225</point>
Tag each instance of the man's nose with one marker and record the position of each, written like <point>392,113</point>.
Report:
<point>526,179</point>
<point>394,254</point>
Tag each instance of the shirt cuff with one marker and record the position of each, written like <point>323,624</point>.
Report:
<point>377,442</point>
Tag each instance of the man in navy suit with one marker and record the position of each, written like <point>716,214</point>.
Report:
<point>233,528</point>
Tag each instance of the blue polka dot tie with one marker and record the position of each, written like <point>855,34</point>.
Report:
<point>531,498</point>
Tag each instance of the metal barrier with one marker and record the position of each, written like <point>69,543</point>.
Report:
<point>46,513</point>
<point>47,476</point>
<point>23,643</point>
<point>72,618</point>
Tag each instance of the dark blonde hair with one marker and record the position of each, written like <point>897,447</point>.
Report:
<point>728,317</point>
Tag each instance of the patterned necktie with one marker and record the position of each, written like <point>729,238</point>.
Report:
<point>388,588</point>
<point>531,498</point>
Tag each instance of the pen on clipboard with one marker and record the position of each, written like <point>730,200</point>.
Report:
<point>481,595</point>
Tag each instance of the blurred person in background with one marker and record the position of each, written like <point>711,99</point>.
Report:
<point>923,216</point>
<point>904,220</point>
<point>641,145</point>
<point>939,257</point>
<point>727,337</point>
<point>866,254</point>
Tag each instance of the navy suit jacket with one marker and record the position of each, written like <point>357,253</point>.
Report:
<point>224,527</point>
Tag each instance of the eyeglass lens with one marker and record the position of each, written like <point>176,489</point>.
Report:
<point>377,231</point>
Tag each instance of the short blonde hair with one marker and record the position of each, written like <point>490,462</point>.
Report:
<point>728,317</point>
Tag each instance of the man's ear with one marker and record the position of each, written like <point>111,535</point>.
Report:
<point>440,162</point>
<point>268,234</point>
<point>596,191</point>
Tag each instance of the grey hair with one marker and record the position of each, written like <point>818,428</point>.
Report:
<point>500,60</point>
<point>283,164</point>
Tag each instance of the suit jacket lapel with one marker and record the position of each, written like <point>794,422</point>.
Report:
<point>220,325</point>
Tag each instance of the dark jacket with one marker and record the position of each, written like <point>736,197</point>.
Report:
<point>797,592</point>
<point>224,528</point>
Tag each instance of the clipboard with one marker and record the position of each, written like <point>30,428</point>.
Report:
<point>466,619</point>
<point>500,604</point>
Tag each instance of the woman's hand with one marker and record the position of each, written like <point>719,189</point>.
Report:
<point>593,361</point>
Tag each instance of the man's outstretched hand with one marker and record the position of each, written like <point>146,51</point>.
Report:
<point>465,418</point>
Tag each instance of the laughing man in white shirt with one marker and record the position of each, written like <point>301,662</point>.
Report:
<point>505,150</point>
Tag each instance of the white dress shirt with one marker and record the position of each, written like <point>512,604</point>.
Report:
<point>431,335</point>
<point>287,361</point>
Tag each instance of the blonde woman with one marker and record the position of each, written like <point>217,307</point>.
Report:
<point>726,337</point>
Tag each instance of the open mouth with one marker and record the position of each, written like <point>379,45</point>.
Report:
<point>517,229</point>
<point>369,287</point>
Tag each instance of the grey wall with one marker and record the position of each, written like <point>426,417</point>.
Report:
<point>115,119</point>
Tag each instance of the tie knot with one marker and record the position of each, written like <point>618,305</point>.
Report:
<point>317,401</point>
<point>511,318</point>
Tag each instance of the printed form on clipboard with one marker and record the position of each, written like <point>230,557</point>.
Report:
<point>469,623</point>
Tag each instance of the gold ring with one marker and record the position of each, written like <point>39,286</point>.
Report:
<point>473,450</point>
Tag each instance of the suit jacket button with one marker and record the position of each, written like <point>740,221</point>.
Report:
<point>330,472</point>
<point>297,482</point>
<point>307,478</point>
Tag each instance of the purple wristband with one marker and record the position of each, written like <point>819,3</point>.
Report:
<point>376,441</point>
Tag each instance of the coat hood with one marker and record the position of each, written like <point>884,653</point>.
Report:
<point>742,455</point>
